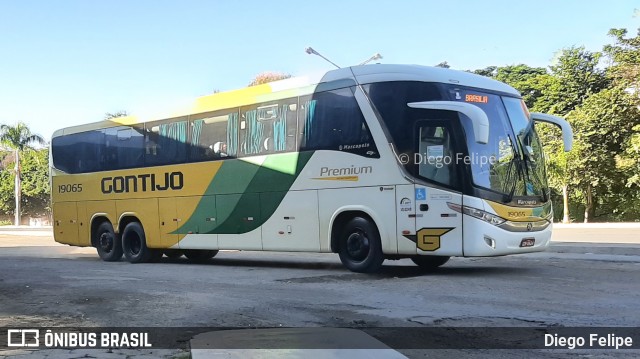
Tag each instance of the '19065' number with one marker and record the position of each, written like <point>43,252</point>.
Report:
<point>66,188</point>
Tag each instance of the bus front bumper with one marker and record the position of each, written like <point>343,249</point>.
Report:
<point>482,239</point>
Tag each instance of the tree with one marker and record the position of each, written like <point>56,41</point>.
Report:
<point>18,138</point>
<point>578,77</point>
<point>110,115</point>
<point>268,76</point>
<point>604,125</point>
<point>625,59</point>
<point>525,79</point>
<point>36,190</point>
<point>443,64</point>
<point>489,71</point>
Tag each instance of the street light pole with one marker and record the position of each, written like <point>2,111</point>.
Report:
<point>376,56</point>
<point>311,51</point>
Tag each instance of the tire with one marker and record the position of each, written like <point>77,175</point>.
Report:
<point>173,253</point>
<point>430,262</point>
<point>197,255</point>
<point>134,245</point>
<point>360,248</point>
<point>107,243</point>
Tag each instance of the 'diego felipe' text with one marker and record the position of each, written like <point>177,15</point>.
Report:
<point>594,340</point>
<point>440,161</point>
<point>97,340</point>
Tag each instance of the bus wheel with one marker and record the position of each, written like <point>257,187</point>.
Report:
<point>107,243</point>
<point>430,262</point>
<point>360,248</point>
<point>134,244</point>
<point>173,253</point>
<point>197,255</point>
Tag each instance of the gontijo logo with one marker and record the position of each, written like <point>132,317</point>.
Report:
<point>144,182</point>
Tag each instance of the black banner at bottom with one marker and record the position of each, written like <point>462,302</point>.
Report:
<point>570,338</point>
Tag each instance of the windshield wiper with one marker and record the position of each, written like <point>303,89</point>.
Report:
<point>517,161</point>
<point>530,174</point>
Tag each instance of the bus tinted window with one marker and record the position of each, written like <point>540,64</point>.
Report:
<point>78,152</point>
<point>269,127</point>
<point>214,135</point>
<point>123,148</point>
<point>332,120</point>
<point>391,98</point>
<point>165,142</point>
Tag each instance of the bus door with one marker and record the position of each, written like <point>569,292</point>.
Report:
<point>438,225</point>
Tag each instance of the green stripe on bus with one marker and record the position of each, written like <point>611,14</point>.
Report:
<point>247,194</point>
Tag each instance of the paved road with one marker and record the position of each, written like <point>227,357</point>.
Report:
<point>574,284</point>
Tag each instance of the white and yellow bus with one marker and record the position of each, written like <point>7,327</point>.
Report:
<point>371,162</point>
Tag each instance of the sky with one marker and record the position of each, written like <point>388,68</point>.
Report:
<point>64,63</point>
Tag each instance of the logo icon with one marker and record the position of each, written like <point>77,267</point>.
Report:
<point>428,239</point>
<point>529,226</point>
<point>23,338</point>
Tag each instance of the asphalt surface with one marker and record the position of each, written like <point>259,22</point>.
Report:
<point>574,284</point>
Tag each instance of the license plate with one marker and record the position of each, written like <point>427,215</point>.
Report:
<point>528,242</point>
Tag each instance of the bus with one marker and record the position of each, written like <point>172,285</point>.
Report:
<point>370,162</point>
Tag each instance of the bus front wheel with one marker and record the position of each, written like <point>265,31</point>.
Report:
<point>134,245</point>
<point>107,243</point>
<point>360,247</point>
<point>430,262</point>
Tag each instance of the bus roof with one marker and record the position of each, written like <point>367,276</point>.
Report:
<point>306,85</point>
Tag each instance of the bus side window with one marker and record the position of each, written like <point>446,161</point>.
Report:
<point>332,120</point>
<point>214,135</point>
<point>166,142</point>
<point>269,127</point>
<point>78,152</point>
<point>123,148</point>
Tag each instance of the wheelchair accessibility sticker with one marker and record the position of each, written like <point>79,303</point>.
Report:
<point>421,194</point>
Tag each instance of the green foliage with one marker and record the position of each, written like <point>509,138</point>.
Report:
<point>625,57</point>
<point>266,77</point>
<point>523,78</point>
<point>20,139</point>
<point>35,183</point>
<point>602,173</point>
<point>577,77</point>
<point>110,115</point>
<point>19,136</point>
<point>604,126</point>
<point>35,201</point>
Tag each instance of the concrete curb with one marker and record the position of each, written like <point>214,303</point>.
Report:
<point>596,225</point>
<point>25,229</point>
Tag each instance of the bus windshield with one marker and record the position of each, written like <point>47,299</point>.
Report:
<point>516,163</point>
<point>510,164</point>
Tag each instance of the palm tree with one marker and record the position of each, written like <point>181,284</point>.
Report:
<point>18,138</point>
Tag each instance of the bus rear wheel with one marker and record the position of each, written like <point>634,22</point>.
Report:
<point>360,248</point>
<point>134,245</point>
<point>197,255</point>
<point>430,262</point>
<point>107,243</point>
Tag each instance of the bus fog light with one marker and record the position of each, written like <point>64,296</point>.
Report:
<point>490,242</point>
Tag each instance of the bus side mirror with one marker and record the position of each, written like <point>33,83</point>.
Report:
<point>567,132</point>
<point>478,117</point>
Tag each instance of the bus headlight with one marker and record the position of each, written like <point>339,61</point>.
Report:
<point>477,213</point>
